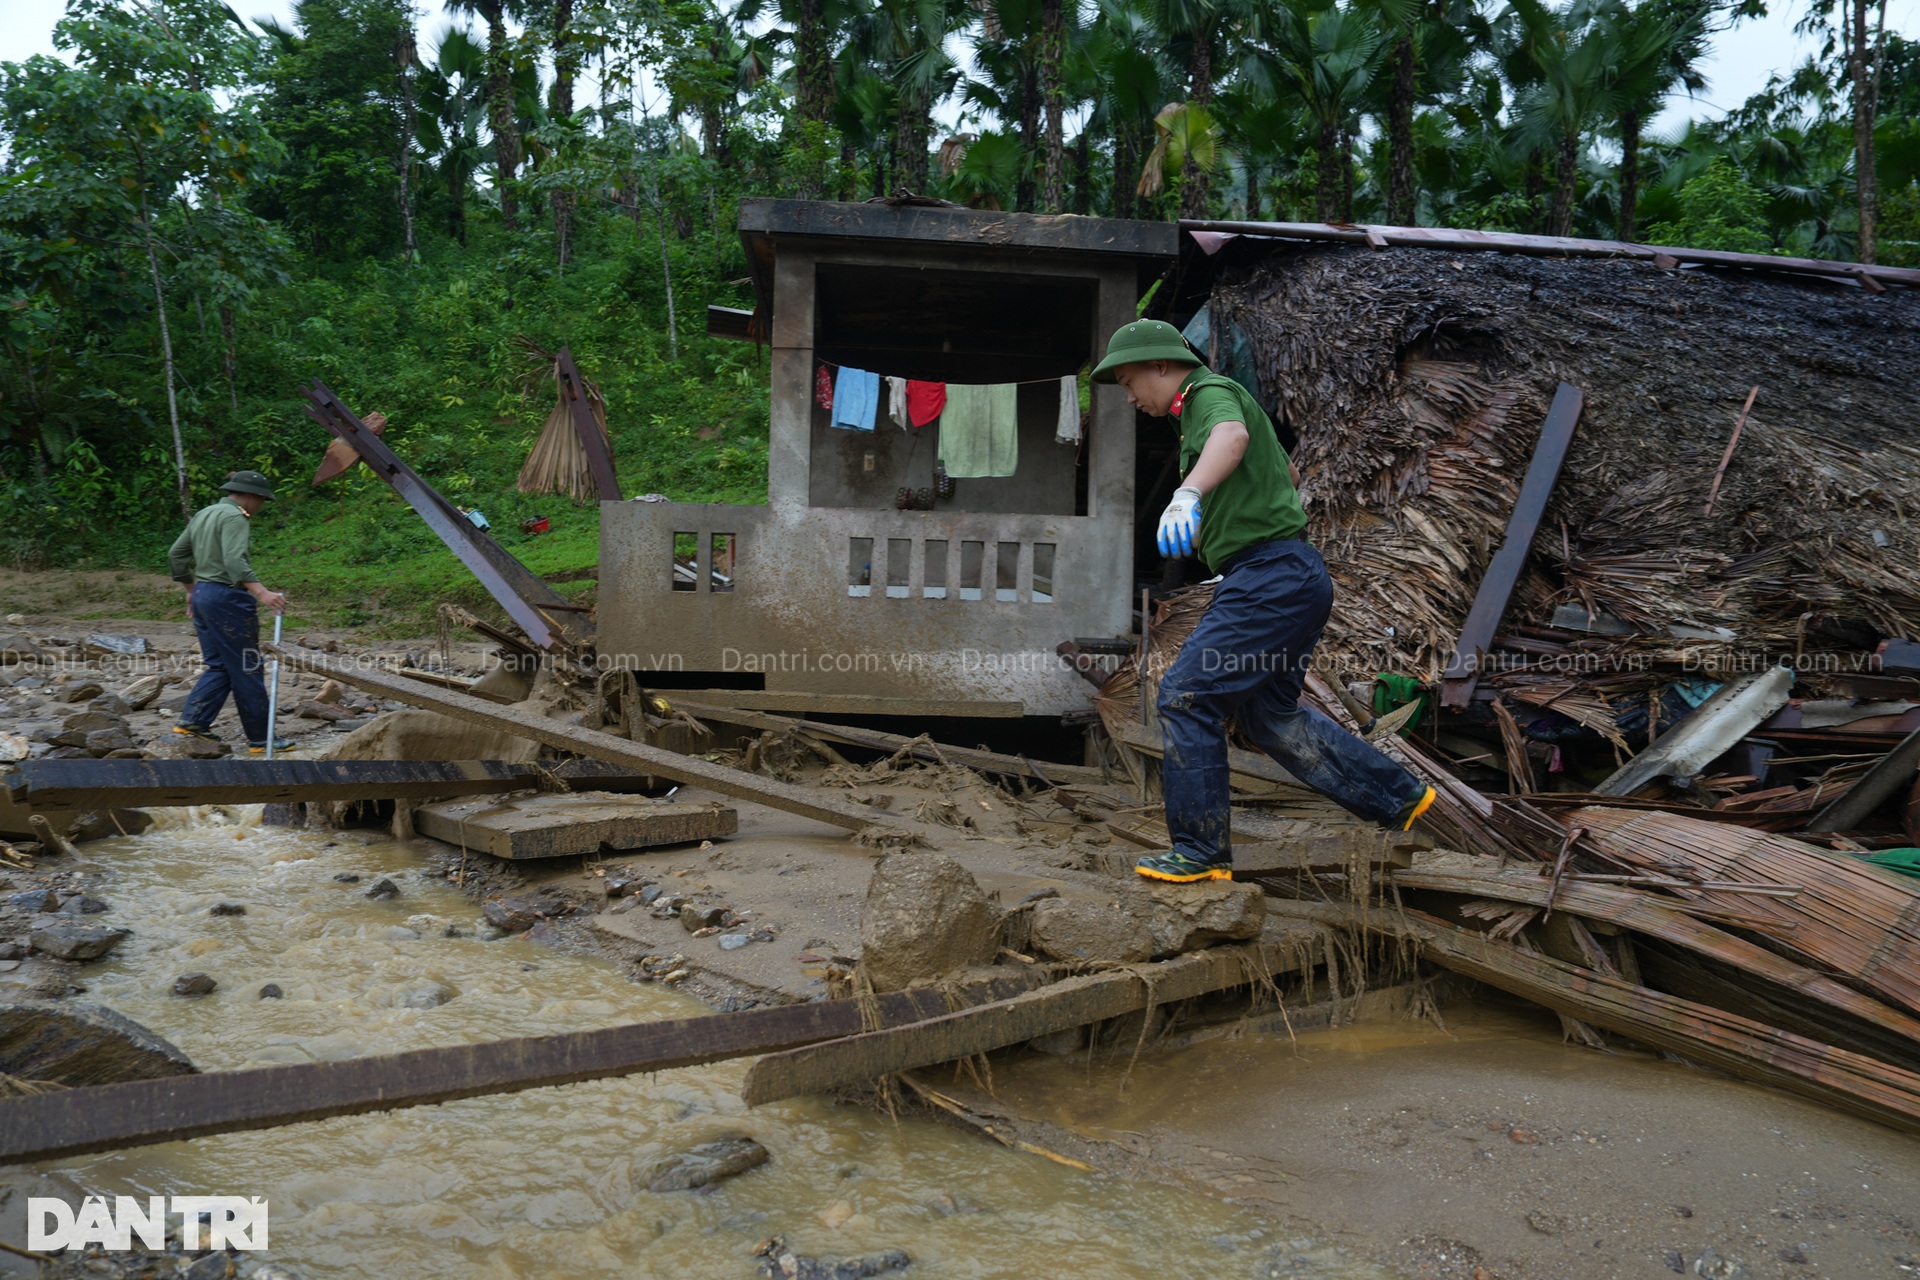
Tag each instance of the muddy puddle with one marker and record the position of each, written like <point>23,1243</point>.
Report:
<point>551,1182</point>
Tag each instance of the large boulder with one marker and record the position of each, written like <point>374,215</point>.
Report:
<point>81,1044</point>
<point>925,917</point>
<point>1077,930</point>
<point>76,941</point>
<point>1191,917</point>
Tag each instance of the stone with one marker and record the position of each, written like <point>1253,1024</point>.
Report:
<point>347,877</point>
<point>194,984</point>
<point>76,941</point>
<point>81,691</point>
<point>694,917</point>
<point>648,894</point>
<point>327,711</point>
<point>778,1261</point>
<point>90,719</point>
<point>13,950</point>
<point>142,691</point>
<point>924,917</point>
<point>705,1164</point>
<point>111,704</point>
<point>107,642</point>
<point>82,905</point>
<point>1713,1265</point>
<point>733,941</point>
<point>1190,917</point>
<point>17,648</point>
<point>79,1044</point>
<point>181,746</point>
<point>211,1266</point>
<point>1078,930</point>
<point>513,915</point>
<point>14,747</point>
<point>382,889</point>
<point>427,994</point>
<point>101,741</point>
<point>622,887</point>
<point>227,909</point>
<point>271,991</point>
<point>35,900</point>
<point>99,824</point>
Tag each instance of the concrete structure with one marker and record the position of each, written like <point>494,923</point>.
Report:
<point>828,590</point>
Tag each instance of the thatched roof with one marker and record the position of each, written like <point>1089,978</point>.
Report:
<point>1417,379</point>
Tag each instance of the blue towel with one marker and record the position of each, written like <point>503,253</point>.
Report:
<point>856,399</point>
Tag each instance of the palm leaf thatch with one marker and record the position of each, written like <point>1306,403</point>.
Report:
<point>558,462</point>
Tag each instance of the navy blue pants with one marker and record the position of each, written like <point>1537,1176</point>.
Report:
<point>1248,659</point>
<point>228,625</point>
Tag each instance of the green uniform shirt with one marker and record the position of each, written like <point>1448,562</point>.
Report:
<point>1257,503</point>
<point>213,547</point>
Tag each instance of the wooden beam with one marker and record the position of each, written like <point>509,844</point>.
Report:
<point>48,785</point>
<point>955,226</point>
<point>1503,573</point>
<point>808,802</point>
<point>849,704</point>
<point>1891,774</point>
<point>560,825</point>
<point>75,1122</point>
<point>593,439</point>
<point>879,740</point>
<point>1246,770</point>
<point>1074,1002</point>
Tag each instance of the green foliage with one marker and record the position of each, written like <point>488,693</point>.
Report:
<point>1719,209</point>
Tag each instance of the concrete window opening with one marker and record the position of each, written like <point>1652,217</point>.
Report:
<point>721,548</point>
<point>971,556</point>
<point>1007,572</point>
<point>1043,572</point>
<point>899,568</point>
<point>859,566</point>
<point>686,561</point>
<point>934,584</point>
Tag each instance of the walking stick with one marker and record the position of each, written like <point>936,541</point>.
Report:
<point>273,684</point>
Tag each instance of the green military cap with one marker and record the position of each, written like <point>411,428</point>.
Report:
<point>1143,340</point>
<point>248,482</point>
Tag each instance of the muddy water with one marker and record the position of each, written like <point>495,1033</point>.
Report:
<point>551,1182</point>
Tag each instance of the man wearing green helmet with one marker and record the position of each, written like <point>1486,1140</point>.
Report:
<point>1248,657</point>
<point>210,559</point>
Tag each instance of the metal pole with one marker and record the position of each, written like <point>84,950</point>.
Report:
<point>273,684</point>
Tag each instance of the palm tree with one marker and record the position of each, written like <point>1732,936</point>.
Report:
<point>453,102</point>
<point>1671,39</point>
<point>1193,27</point>
<point>1133,81</point>
<point>500,104</point>
<point>1328,58</point>
<point>1575,61</point>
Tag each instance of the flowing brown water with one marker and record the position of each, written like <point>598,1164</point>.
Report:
<point>551,1182</point>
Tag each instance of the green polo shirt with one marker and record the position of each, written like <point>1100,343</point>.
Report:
<point>213,547</point>
<point>1257,503</point>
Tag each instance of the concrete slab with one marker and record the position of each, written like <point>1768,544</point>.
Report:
<point>555,825</point>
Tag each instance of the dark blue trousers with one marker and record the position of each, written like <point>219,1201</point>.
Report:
<point>1248,659</point>
<point>228,624</point>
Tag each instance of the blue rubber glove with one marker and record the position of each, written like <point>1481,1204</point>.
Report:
<point>1180,522</point>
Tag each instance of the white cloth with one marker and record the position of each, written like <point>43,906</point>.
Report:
<point>897,403</point>
<point>1068,430</point>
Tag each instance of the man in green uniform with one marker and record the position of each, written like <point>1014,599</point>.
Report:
<point>210,559</point>
<point>1248,657</point>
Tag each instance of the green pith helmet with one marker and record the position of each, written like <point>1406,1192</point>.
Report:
<point>248,482</point>
<point>1143,340</point>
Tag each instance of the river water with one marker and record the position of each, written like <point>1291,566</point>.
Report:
<point>551,1182</point>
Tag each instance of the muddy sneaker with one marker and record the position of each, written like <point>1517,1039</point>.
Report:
<point>1176,867</point>
<point>1410,812</point>
<point>196,731</point>
<point>260,748</point>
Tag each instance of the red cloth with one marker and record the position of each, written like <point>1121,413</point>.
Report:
<point>925,400</point>
<point>823,389</point>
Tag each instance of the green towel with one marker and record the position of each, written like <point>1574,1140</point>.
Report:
<point>980,430</point>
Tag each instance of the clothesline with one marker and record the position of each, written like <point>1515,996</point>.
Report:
<point>1024,382</point>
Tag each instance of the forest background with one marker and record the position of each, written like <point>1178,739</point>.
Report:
<point>199,214</point>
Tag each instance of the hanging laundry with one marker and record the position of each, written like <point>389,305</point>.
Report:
<point>897,402</point>
<point>1067,431</point>
<point>925,400</point>
<point>823,388</point>
<point>856,399</point>
<point>980,430</point>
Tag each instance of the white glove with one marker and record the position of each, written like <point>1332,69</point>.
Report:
<point>1180,522</point>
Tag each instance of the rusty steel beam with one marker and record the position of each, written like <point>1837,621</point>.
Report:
<point>75,1122</point>
<point>593,441</point>
<point>526,597</point>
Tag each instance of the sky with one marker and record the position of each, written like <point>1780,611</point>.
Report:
<point>1738,64</point>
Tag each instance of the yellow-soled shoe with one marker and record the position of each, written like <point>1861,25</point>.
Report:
<point>1418,807</point>
<point>1175,867</point>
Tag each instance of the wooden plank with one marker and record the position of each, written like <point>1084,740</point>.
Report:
<point>593,440</point>
<point>878,740</point>
<point>1246,771</point>
<point>1892,774</point>
<point>1074,1002</point>
<point>1319,848</point>
<point>729,322</point>
<point>1490,601</point>
<point>48,785</point>
<point>808,802</point>
<point>560,825</point>
<point>74,1122</point>
<point>956,226</point>
<point>851,704</point>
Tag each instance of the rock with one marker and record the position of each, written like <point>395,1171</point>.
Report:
<point>226,909</point>
<point>194,984</point>
<point>924,917</point>
<point>211,1266</point>
<point>101,741</point>
<point>780,1262</point>
<point>347,877</point>
<point>14,747</point>
<point>35,900</point>
<point>733,941</point>
<point>82,905</point>
<point>98,824</point>
<point>110,643</point>
<point>330,692</point>
<point>76,941</point>
<point>271,991</point>
<point>425,925</point>
<point>1189,917</point>
<point>1711,1265</point>
<point>180,746</point>
<point>427,994</point>
<point>142,691</point>
<point>514,915</point>
<point>17,648</point>
<point>707,1163</point>
<point>622,887</point>
<point>382,889</point>
<point>111,704</point>
<point>13,950</point>
<point>87,721</point>
<point>694,917</point>
<point>648,894</point>
<point>81,1044</point>
<point>81,691</point>
<point>1077,929</point>
<point>312,710</point>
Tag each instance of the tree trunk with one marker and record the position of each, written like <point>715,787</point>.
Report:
<point>1126,170</point>
<point>506,137</point>
<point>1195,189</point>
<point>1053,41</point>
<point>1863,68</point>
<point>1254,211</point>
<point>1566,179</point>
<point>1535,186</point>
<point>1346,173</point>
<point>566,64</point>
<point>1023,192</point>
<point>912,119</point>
<point>813,65</point>
<point>166,353</point>
<point>408,54</point>
<point>1326,187</point>
<point>1083,174</point>
<point>229,356</point>
<point>666,271</point>
<point>1400,133</point>
<point>1629,173</point>
<point>713,123</point>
